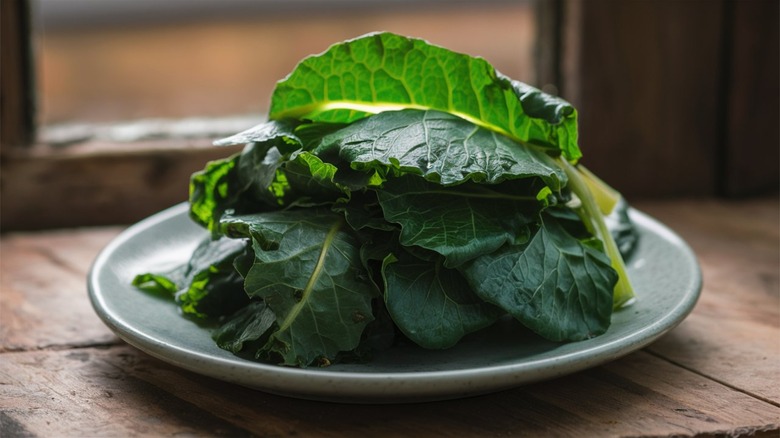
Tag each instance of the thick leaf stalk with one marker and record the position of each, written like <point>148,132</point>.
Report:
<point>592,213</point>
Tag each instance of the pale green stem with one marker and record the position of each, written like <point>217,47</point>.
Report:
<point>591,216</point>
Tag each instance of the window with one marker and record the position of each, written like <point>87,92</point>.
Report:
<point>107,61</point>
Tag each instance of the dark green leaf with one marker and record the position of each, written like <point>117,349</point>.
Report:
<point>433,306</point>
<point>248,325</point>
<point>264,133</point>
<point>461,222</point>
<point>298,178</point>
<point>441,147</point>
<point>311,181</point>
<point>208,285</point>
<point>555,285</point>
<point>308,271</point>
<point>212,287</point>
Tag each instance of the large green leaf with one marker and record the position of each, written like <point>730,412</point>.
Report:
<point>308,271</point>
<point>461,222</point>
<point>384,71</point>
<point>433,306</point>
<point>440,147</point>
<point>556,285</point>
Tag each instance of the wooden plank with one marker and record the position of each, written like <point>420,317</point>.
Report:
<point>44,301</point>
<point>645,77</point>
<point>78,393</point>
<point>737,319</point>
<point>644,395</point>
<point>752,156</point>
<point>99,185</point>
<point>121,392</point>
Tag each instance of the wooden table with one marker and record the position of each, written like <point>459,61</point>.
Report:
<point>63,373</point>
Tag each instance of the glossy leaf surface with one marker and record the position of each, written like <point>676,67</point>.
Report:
<point>385,71</point>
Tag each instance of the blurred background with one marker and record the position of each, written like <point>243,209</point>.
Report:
<point>124,59</point>
<point>108,105</point>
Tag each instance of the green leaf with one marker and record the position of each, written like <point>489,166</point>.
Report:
<point>433,306</point>
<point>213,190</point>
<point>271,172</point>
<point>440,147</point>
<point>384,71</point>
<point>285,179</point>
<point>165,284</point>
<point>243,182</point>
<point>308,271</point>
<point>263,133</point>
<point>208,285</point>
<point>212,287</point>
<point>311,181</point>
<point>461,222</point>
<point>364,212</point>
<point>556,285</point>
<point>249,325</point>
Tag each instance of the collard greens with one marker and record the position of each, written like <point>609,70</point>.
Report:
<point>399,191</point>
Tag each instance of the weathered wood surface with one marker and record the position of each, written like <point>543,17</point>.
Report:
<point>62,373</point>
<point>682,94</point>
<point>62,181</point>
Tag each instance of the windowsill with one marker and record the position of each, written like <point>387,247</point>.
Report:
<point>84,175</point>
<point>67,134</point>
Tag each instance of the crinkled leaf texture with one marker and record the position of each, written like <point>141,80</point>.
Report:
<point>556,285</point>
<point>307,270</point>
<point>461,222</point>
<point>271,172</point>
<point>385,71</point>
<point>243,183</point>
<point>441,147</point>
<point>432,305</point>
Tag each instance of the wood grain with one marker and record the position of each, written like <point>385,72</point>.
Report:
<point>44,290</point>
<point>752,158</point>
<point>737,319</point>
<point>646,80</point>
<point>676,98</point>
<point>121,392</point>
<point>94,185</point>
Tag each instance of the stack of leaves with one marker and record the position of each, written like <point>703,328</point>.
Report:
<point>399,189</point>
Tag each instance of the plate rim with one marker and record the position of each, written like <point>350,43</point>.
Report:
<point>318,383</point>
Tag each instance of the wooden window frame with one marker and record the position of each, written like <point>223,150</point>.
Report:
<point>95,182</point>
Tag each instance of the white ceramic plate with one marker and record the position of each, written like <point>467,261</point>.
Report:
<point>663,270</point>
